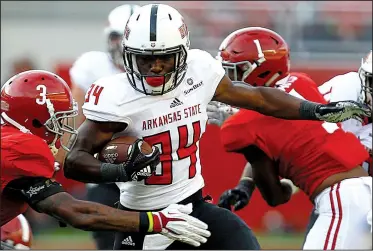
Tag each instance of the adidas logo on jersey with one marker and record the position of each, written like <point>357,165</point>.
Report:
<point>128,241</point>
<point>175,102</point>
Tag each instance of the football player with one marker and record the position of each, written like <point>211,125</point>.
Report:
<point>162,99</point>
<point>16,234</point>
<point>89,67</point>
<point>273,72</point>
<point>35,106</point>
<point>318,157</point>
<point>355,86</point>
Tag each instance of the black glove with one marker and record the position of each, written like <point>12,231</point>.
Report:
<point>138,165</point>
<point>237,197</point>
<point>335,112</point>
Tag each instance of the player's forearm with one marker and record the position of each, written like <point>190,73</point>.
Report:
<point>89,215</point>
<point>269,185</point>
<point>92,216</point>
<point>279,104</point>
<point>82,166</point>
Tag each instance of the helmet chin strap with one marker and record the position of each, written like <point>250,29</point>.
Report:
<point>15,123</point>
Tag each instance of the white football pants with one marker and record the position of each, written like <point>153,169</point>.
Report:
<point>345,216</point>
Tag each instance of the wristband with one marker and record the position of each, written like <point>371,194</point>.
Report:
<point>144,222</point>
<point>307,110</point>
<point>113,173</point>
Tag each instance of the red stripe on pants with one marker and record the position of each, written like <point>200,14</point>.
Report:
<point>340,216</point>
<point>333,218</point>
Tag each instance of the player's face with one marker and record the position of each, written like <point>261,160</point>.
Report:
<point>156,64</point>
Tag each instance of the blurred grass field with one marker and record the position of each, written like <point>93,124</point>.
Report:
<point>69,238</point>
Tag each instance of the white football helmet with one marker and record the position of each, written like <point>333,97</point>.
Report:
<point>155,29</point>
<point>117,20</point>
<point>365,74</point>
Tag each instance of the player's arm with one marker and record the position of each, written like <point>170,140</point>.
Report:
<point>239,196</point>
<point>80,163</point>
<point>47,196</point>
<point>266,177</point>
<point>277,103</point>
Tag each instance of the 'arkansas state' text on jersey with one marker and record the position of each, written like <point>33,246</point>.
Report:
<point>174,122</point>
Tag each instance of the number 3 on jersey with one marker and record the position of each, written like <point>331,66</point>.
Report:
<point>94,90</point>
<point>185,150</point>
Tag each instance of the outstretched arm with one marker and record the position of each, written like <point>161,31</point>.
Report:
<point>277,103</point>
<point>88,215</point>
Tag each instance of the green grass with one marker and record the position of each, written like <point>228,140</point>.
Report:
<point>69,238</point>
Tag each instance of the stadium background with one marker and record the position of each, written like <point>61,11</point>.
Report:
<point>326,38</point>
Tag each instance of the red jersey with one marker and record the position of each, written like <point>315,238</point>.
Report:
<point>301,86</point>
<point>308,151</point>
<point>22,155</point>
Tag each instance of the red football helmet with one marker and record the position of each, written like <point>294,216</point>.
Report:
<point>257,56</point>
<point>39,102</point>
<point>16,234</point>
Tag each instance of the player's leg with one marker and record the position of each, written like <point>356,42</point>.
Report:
<point>228,231</point>
<point>107,194</point>
<point>313,217</point>
<point>342,221</point>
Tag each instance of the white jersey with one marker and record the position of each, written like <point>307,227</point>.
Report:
<point>91,66</point>
<point>348,87</point>
<point>344,87</point>
<point>174,122</point>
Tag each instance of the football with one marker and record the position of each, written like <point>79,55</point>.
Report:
<point>117,150</point>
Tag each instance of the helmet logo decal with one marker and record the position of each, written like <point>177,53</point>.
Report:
<point>127,32</point>
<point>183,29</point>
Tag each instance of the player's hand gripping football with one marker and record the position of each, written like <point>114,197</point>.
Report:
<point>237,197</point>
<point>218,112</point>
<point>140,166</point>
<point>335,112</point>
<point>175,223</point>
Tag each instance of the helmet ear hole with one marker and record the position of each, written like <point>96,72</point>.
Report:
<point>36,123</point>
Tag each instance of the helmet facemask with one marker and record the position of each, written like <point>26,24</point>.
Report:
<point>161,83</point>
<point>60,123</point>
<point>366,87</point>
<point>239,71</point>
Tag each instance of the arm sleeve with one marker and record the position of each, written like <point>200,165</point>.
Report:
<point>35,189</point>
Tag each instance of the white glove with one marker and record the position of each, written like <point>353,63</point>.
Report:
<point>218,112</point>
<point>175,223</point>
